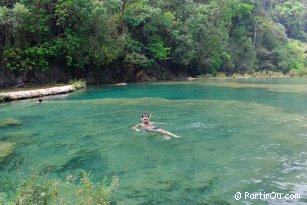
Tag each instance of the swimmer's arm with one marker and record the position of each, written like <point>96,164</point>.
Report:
<point>136,127</point>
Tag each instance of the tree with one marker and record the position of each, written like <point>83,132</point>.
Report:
<point>290,56</point>
<point>292,14</point>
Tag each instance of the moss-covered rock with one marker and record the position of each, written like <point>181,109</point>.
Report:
<point>6,148</point>
<point>9,122</point>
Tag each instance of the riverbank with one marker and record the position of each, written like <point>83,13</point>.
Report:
<point>33,93</point>
<point>260,74</point>
<point>255,74</point>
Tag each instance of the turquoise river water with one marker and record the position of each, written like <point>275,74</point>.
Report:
<point>237,136</point>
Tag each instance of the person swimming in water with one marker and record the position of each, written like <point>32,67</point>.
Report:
<point>150,126</point>
<point>39,101</point>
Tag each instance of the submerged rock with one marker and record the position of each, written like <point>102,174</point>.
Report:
<point>20,134</point>
<point>215,200</point>
<point>83,159</point>
<point>6,148</point>
<point>24,137</point>
<point>9,122</point>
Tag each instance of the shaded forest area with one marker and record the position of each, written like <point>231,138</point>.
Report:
<point>103,41</point>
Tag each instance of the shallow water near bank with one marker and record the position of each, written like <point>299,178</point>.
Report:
<point>237,135</point>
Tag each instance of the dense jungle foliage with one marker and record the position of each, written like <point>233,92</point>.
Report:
<point>128,40</point>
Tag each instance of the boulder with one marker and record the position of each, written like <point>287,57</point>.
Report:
<point>121,84</point>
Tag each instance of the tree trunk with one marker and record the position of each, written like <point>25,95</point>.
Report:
<point>255,36</point>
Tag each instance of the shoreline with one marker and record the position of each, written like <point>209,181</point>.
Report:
<point>240,77</point>
<point>40,92</point>
<point>35,92</point>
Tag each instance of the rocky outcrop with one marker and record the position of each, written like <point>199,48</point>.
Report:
<point>19,95</point>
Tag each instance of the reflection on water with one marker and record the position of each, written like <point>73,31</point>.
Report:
<point>227,146</point>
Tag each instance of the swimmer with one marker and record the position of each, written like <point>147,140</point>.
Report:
<point>150,126</point>
<point>40,101</point>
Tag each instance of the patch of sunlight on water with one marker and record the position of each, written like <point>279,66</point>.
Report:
<point>226,146</point>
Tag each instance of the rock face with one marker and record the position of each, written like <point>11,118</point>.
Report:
<point>9,78</point>
<point>6,148</point>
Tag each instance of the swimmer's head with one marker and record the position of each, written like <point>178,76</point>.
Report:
<point>145,117</point>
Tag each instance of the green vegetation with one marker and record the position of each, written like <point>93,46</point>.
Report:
<point>37,189</point>
<point>120,40</point>
<point>2,98</point>
<point>78,84</point>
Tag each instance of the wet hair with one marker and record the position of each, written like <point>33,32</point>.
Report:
<point>40,100</point>
<point>145,114</point>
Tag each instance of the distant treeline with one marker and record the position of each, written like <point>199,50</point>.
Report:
<point>122,40</point>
